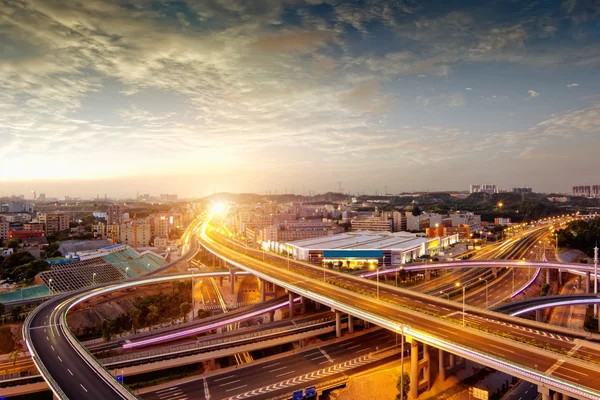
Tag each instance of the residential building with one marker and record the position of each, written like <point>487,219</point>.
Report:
<point>582,191</point>
<point>54,222</point>
<point>474,188</point>
<point>522,190</point>
<point>114,214</point>
<point>462,230</point>
<point>474,221</point>
<point>374,223</point>
<point>33,226</point>
<point>398,221</point>
<point>4,224</point>
<point>502,221</point>
<point>142,234</point>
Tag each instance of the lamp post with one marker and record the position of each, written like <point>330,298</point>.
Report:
<point>445,294</point>
<point>402,363</point>
<point>458,284</point>
<point>486,291</point>
<point>377,275</point>
<point>193,302</point>
<point>50,284</point>
<point>93,279</point>
<point>126,272</point>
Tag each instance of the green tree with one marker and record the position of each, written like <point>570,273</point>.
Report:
<point>13,244</point>
<point>134,316</point>
<point>403,383</point>
<point>416,210</point>
<point>2,309</point>
<point>185,309</point>
<point>15,312</point>
<point>106,330</point>
<point>152,315</point>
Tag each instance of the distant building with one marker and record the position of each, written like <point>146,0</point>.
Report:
<point>142,234</point>
<point>42,197</point>
<point>54,222</point>
<point>474,188</point>
<point>502,221</point>
<point>33,226</point>
<point>168,198</point>
<point>373,223</point>
<point>561,199</point>
<point>582,191</point>
<point>4,224</point>
<point>470,219</point>
<point>522,190</point>
<point>25,235</point>
<point>485,188</point>
<point>114,214</point>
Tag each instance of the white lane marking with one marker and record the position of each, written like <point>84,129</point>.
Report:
<point>166,390</point>
<point>70,371</point>
<point>353,347</point>
<point>501,348</point>
<point>176,393</point>
<point>572,370</point>
<point>47,338</point>
<point>277,363</point>
<point>83,387</point>
<point>60,359</point>
<point>316,358</point>
<point>287,373</point>
<point>277,369</point>
<point>52,347</point>
<point>229,383</point>
<point>360,351</point>
<point>225,377</point>
<point>565,375</point>
<point>235,388</point>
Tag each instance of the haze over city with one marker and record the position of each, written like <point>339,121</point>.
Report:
<point>200,96</point>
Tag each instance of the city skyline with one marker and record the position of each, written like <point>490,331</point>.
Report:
<point>222,96</point>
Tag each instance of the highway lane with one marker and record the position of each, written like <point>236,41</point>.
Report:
<point>69,370</point>
<point>527,356</point>
<point>260,375</point>
<point>570,316</point>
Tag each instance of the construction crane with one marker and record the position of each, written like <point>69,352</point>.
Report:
<point>134,230</point>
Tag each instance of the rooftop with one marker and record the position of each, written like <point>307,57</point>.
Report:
<point>363,240</point>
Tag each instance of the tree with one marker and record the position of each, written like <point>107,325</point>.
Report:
<point>134,316</point>
<point>403,383</point>
<point>16,312</point>
<point>152,315</point>
<point>106,330</point>
<point>13,244</point>
<point>2,309</point>
<point>185,308</point>
<point>416,210</point>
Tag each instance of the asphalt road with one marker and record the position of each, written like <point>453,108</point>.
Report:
<point>571,370</point>
<point>74,376</point>
<point>257,376</point>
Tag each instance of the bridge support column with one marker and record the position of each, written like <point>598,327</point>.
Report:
<point>263,290</point>
<point>442,365</point>
<point>559,277</point>
<point>427,275</point>
<point>291,304</point>
<point>338,324</point>
<point>221,281</point>
<point>451,360</point>
<point>317,306</point>
<point>587,281</point>
<point>539,315</point>
<point>495,272</point>
<point>350,324</point>
<point>303,301</point>
<point>556,396</point>
<point>232,281</point>
<point>420,370</point>
<point>565,397</point>
<point>414,369</point>
<point>545,392</point>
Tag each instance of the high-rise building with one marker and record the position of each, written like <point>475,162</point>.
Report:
<point>596,191</point>
<point>520,190</point>
<point>142,234</point>
<point>582,191</point>
<point>375,223</point>
<point>474,188</point>
<point>54,222</point>
<point>42,197</point>
<point>114,214</point>
<point>4,224</point>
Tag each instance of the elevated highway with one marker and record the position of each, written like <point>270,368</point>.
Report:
<point>408,312</point>
<point>539,303</point>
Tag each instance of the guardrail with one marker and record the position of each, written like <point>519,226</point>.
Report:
<point>205,345</point>
<point>58,393</point>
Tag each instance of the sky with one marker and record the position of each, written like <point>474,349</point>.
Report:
<point>193,97</point>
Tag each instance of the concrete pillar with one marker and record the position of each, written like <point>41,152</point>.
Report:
<point>545,392</point>
<point>587,281</point>
<point>539,315</point>
<point>263,294</point>
<point>556,396</point>
<point>427,275</point>
<point>414,369</point>
<point>427,367</point>
<point>317,306</point>
<point>291,304</point>
<point>451,360</point>
<point>495,271</point>
<point>338,324</point>
<point>548,276</point>
<point>303,305</point>
<point>232,281</point>
<point>442,365</point>
<point>221,281</point>
<point>350,324</point>
<point>367,324</point>
<point>559,277</point>
<point>565,397</point>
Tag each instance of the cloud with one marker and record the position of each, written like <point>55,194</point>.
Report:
<point>533,93</point>
<point>468,89</point>
<point>570,85</point>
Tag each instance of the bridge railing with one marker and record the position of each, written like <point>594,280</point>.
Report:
<point>209,343</point>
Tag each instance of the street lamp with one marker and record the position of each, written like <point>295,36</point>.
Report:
<point>486,291</point>
<point>445,294</point>
<point>500,206</point>
<point>377,274</point>
<point>402,327</point>
<point>193,302</point>
<point>126,272</point>
<point>50,284</point>
<point>93,279</point>
<point>458,284</point>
